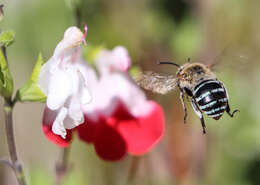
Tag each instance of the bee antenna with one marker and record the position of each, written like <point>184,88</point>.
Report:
<point>172,63</point>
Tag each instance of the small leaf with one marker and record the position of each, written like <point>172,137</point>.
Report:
<point>7,38</point>
<point>37,69</point>
<point>6,80</point>
<point>30,91</point>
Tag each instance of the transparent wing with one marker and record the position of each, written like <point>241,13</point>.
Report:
<point>229,58</point>
<point>156,82</point>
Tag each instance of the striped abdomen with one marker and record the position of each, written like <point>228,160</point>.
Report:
<point>211,97</point>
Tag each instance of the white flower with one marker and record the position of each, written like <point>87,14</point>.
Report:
<point>64,81</point>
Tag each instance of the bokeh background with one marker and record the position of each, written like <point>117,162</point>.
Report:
<point>226,32</point>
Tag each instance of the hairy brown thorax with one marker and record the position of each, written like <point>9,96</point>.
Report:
<point>190,74</point>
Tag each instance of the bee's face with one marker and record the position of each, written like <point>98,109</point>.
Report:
<point>184,75</point>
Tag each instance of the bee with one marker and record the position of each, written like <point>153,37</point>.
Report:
<point>197,82</point>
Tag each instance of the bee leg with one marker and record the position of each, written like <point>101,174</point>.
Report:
<point>183,105</point>
<point>203,124</point>
<point>228,108</point>
<point>228,111</point>
<point>199,113</point>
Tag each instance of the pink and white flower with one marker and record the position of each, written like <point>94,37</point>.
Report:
<point>64,81</point>
<point>120,119</point>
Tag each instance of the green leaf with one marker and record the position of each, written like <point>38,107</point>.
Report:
<point>7,38</point>
<point>30,91</point>
<point>37,69</point>
<point>6,80</point>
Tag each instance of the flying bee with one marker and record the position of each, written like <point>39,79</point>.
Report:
<point>195,80</point>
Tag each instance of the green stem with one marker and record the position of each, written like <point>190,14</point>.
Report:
<point>8,115</point>
<point>77,15</point>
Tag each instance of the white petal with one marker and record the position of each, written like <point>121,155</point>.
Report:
<point>68,123</point>
<point>45,74</point>
<point>58,126</point>
<point>85,96</point>
<point>127,92</point>
<point>75,113</point>
<point>100,102</point>
<point>87,72</point>
<point>73,37</point>
<point>60,88</point>
<point>83,91</point>
<point>74,78</point>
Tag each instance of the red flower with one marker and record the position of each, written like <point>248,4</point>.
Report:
<point>121,133</point>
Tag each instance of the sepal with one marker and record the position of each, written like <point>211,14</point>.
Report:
<point>30,91</point>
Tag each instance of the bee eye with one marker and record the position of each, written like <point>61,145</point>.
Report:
<point>197,68</point>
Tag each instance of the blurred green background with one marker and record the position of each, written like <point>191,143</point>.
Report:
<point>227,32</point>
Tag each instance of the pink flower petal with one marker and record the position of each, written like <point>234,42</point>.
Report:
<point>48,119</point>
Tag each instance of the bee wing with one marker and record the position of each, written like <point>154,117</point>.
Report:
<point>229,58</point>
<point>156,82</point>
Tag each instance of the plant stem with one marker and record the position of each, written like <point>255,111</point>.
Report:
<point>8,111</point>
<point>77,15</point>
<point>62,167</point>
<point>133,169</point>
<point>8,116</point>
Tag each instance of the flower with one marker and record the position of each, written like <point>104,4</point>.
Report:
<point>120,119</point>
<point>63,80</point>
